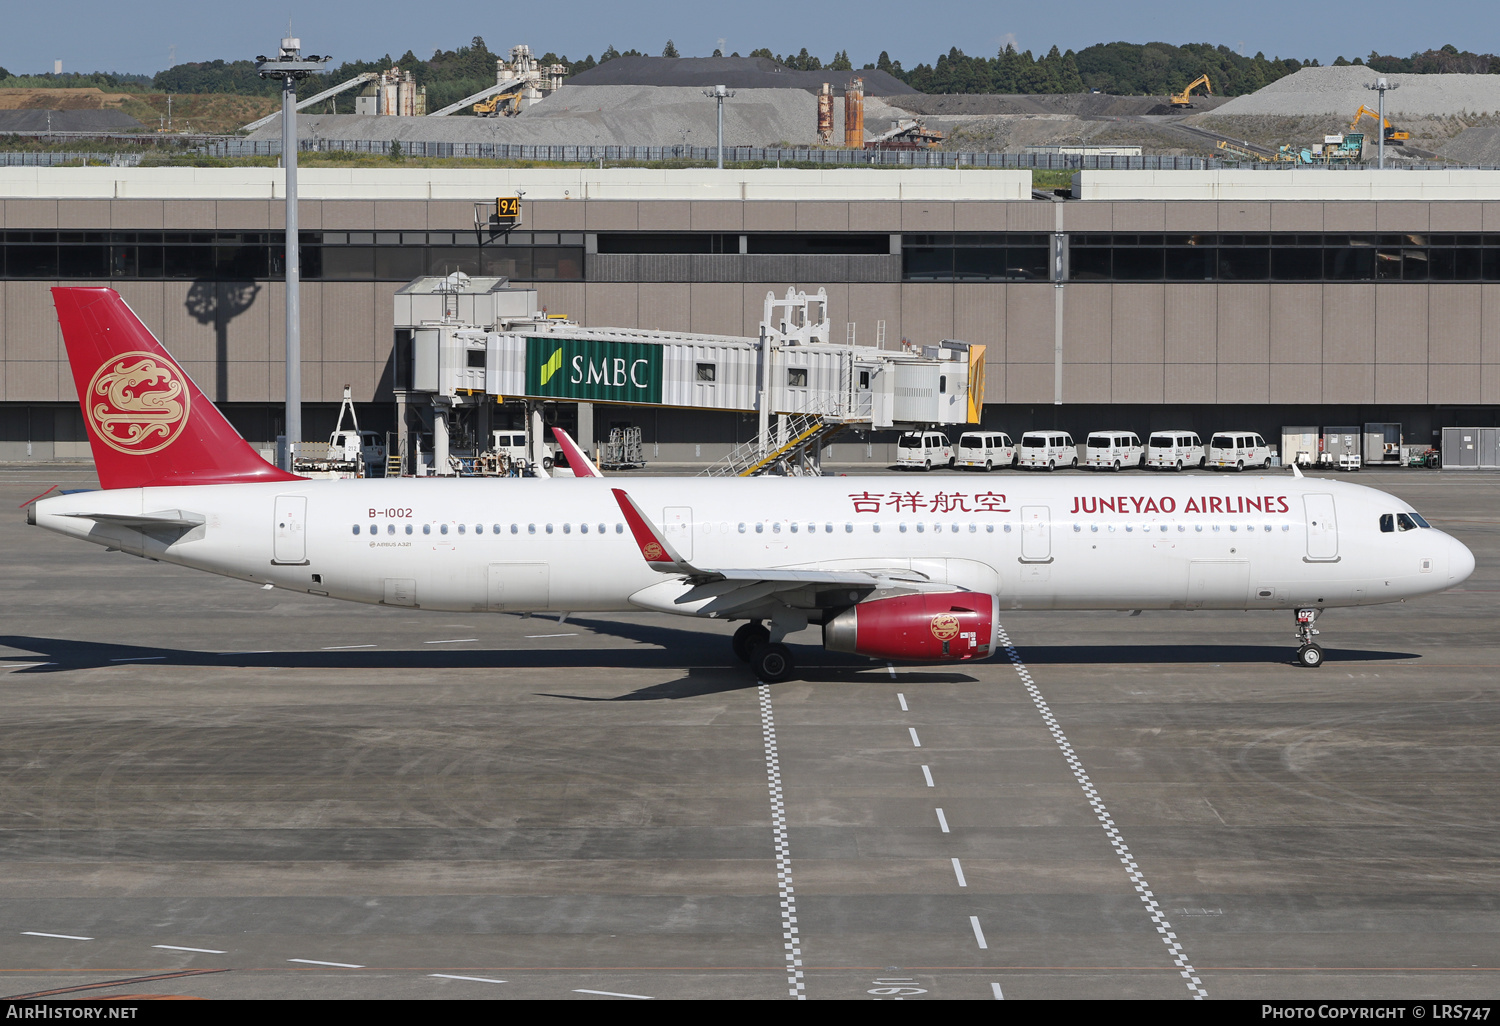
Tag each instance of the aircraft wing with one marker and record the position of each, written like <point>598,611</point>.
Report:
<point>165,519</point>
<point>714,591</point>
<point>580,464</point>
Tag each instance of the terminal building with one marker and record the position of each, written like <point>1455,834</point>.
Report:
<point>1205,300</point>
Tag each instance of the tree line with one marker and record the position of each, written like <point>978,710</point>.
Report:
<point>1140,69</point>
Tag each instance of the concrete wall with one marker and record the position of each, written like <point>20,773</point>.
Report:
<point>1173,343</point>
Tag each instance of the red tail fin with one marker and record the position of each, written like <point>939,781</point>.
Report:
<point>148,423</point>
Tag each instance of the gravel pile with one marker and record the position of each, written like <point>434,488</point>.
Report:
<point>1478,145</point>
<point>734,72</point>
<point>1341,91</point>
<point>1077,104</point>
<point>581,115</point>
<point>67,121</point>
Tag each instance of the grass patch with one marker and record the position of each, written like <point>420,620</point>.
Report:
<point>1047,180</point>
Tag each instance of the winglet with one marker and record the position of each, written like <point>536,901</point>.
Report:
<point>655,550</point>
<point>580,464</point>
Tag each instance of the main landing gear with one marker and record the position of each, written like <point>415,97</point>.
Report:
<point>770,660</point>
<point>1309,654</point>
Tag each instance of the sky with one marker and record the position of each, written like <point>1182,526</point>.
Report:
<point>146,36</point>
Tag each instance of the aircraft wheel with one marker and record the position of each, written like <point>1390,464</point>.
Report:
<point>1310,656</point>
<point>772,663</point>
<point>748,638</point>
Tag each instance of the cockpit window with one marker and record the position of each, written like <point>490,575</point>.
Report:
<point>1418,518</point>
<point>1388,523</point>
<point>1404,522</point>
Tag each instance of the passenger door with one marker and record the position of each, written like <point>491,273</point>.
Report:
<point>1322,529</point>
<point>290,545</point>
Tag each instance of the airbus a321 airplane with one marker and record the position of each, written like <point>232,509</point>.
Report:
<point>888,569</point>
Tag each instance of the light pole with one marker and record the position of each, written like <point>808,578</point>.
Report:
<point>289,65</point>
<point>1381,85</point>
<point>720,94</point>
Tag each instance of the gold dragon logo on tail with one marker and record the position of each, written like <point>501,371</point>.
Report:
<point>137,403</point>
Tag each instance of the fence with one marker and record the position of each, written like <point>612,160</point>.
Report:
<point>229,147</point>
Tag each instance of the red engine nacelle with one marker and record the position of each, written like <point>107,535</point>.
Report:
<point>931,627</point>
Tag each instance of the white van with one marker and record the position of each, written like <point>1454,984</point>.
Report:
<point>924,449</point>
<point>1113,450</point>
<point>512,445</point>
<point>1238,449</point>
<point>987,449</point>
<point>1173,450</point>
<point>1048,449</point>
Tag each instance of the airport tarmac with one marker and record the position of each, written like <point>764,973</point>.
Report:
<point>208,789</point>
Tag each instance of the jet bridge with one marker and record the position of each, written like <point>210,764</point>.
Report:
<point>464,343</point>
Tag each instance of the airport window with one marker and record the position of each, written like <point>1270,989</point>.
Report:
<point>662,242</point>
<point>1012,256</point>
<point>796,377</point>
<point>708,372</point>
<point>1284,257</point>
<point>818,244</point>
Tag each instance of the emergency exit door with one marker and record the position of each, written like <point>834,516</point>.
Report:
<point>290,538</point>
<point>677,526</point>
<point>1036,534</point>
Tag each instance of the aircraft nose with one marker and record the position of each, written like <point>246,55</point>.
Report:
<point>1460,562</point>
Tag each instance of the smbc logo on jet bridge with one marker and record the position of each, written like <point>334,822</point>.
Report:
<point>620,372</point>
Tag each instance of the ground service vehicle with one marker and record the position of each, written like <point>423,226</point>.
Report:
<point>1237,450</point>
<point>924,449</point>
<point>1174,450</point>
<point>888,569</point>
<point>1113,450</point>
<point>987,449</point>
<point>1047,450</point>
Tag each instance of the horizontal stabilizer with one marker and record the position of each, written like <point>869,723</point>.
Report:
<point>171,518</point>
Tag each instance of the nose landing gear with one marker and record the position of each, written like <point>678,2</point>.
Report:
<point>1309,654</point>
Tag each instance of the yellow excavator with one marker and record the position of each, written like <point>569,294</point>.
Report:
<point>1391,133</point>
<point>1185,98</point>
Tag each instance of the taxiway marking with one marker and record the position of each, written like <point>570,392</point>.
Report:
<point>340,648</point>
<point>914,740</point>
<point>201,951</point>
<point>958,871</point>
<point>471,979</point>
<point>569,634</point>
<point>902,699</point>
<point>336,965</point>
<point>978,933</point>
<point>55,936</point>
<point>1142,888</point>
<point>610,993</point>
<point>943,822</point>
<point>927,776</point>
<point>449,641</point>
<point>999,994</point>
<point>796,987</point>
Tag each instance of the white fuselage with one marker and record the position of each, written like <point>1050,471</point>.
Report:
<point>1065,542</point>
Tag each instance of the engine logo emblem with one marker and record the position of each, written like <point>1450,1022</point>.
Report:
<point>137,403</point>
<point>945,626</point>
<point>652,551</point>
